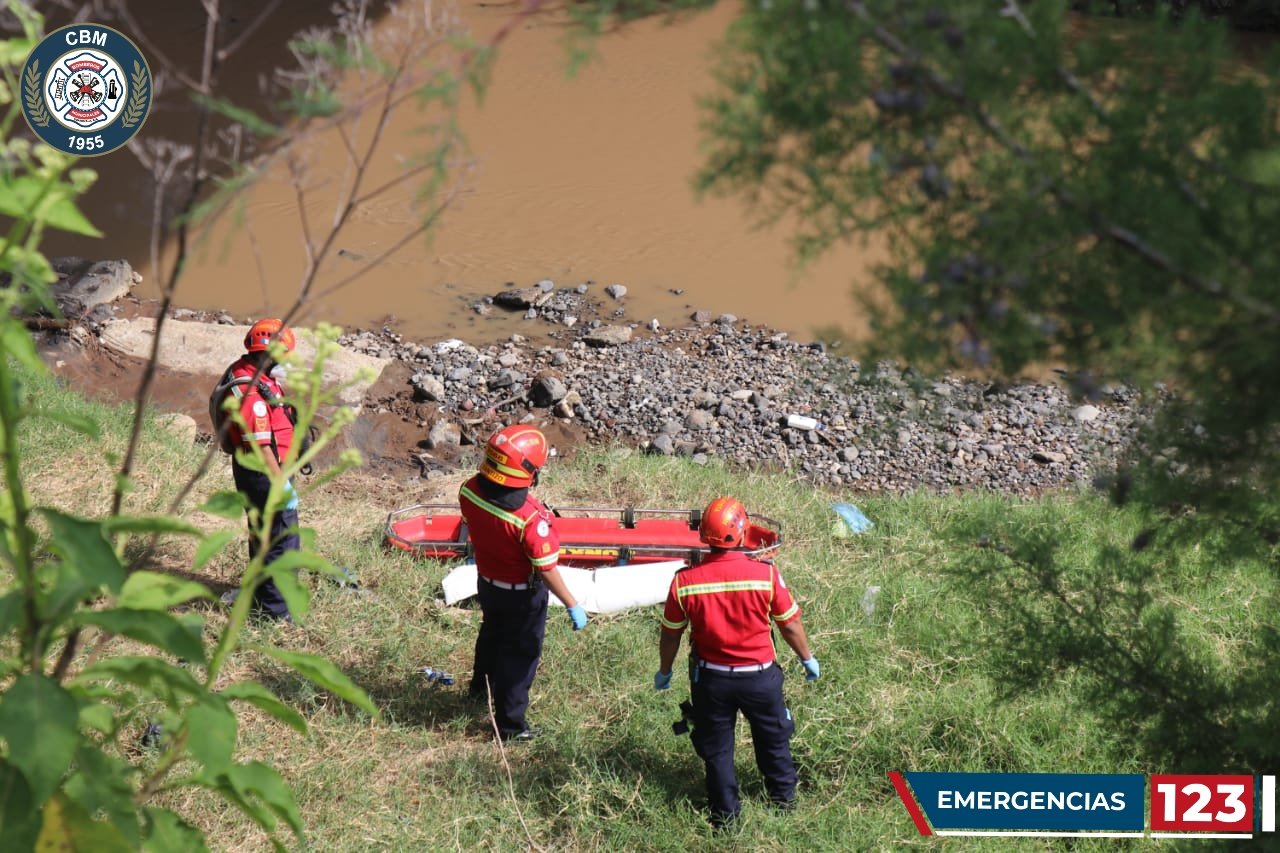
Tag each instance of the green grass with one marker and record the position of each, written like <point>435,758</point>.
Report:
<point>906,686</point>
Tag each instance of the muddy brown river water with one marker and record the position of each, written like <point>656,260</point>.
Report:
<point>575,180</point>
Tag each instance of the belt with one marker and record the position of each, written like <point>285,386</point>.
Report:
<point>504,584</point>
<point>751,667</point>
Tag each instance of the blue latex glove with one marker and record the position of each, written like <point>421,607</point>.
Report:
<point>811,669</point>
<point>290,495</point>
<point>579,617</point>
<point>661,680</point>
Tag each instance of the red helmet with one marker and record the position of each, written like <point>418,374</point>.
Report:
<point>724,523</point>
<point>513,456</point>
<point>263,332</point>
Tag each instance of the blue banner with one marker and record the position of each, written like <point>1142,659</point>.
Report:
<point>1052,802</point>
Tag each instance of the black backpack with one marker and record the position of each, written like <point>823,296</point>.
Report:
<point>218,415</point>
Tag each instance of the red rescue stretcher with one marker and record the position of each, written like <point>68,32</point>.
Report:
<point>589,536</point>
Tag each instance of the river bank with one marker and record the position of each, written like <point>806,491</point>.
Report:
<point>713,388</point>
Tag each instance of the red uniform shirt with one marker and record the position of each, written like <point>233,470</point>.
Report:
<point>727,601</point>
<point>508,542</point>
<point>263,420</point>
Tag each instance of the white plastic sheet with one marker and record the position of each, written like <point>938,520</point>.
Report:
<point>609,589</point>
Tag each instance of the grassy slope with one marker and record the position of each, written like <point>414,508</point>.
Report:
<point>903,688</point>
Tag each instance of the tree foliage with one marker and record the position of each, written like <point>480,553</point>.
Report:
<point>1092,192</point>
<point>92,641</point>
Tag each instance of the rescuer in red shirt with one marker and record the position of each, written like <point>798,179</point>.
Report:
<point>517,552</point>
<point>267,424</point>
<point>729,602</point>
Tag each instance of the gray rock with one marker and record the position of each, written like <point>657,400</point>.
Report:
<point>444,434</point>
<point>616,291</point>
<point>704,399</point>
<point>567,407</point>
<point>699,419</point>
<point>83,285</point>
<point>608,336</point>
<point>521,298</point>
<point>505,379</point>
<point>663,443</point>
<point>427,388</point>
<point>547,390</point>
<point>1086,413</point>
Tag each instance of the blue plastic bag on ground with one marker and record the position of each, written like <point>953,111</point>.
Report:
<point>851,520</point>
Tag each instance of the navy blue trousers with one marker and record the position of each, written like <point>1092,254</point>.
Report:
<point>255,485</point>
<point>508,649</point>
<point>717,699</point>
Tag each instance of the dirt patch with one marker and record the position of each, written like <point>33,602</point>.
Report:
<point>391,432</point>
<point>112,378</point>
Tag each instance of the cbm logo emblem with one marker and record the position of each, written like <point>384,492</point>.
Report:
<point>86,89</point>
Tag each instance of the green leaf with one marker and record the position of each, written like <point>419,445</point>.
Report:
<point>264,700</point>
<point>98,716</point>
<point>283,571</point>
<point>211,735</point>
<point>160,678</point>
<point>295,596</point>
<point>67,826</point>
<point>101,785</point>
<point>20,197</point>
<point>321,672</point>
<point>39,720</point>
<point>16,341</point>
<point>225,505</point>
<point>19,818</point>
<point>78,423</point>
<point>14,51</point>
<point>10,611</point>
<point>149,524</point>
<point>254,783</point>
<point>166,832</point>
<point>154,591</point>
<point>61,589</point>
<point>155,628</point>
<point>82,544</point>
<point>211,545</point>
<point>291,561</point>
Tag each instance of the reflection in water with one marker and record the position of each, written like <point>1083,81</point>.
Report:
<point>584,179</point>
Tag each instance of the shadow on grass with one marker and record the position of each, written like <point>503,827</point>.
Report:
<point>630,756</point>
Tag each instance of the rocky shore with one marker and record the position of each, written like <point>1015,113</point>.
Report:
<point>715,388</point>
<point>754,397</point>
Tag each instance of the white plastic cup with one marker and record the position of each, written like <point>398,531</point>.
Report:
<point>802,422</point>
